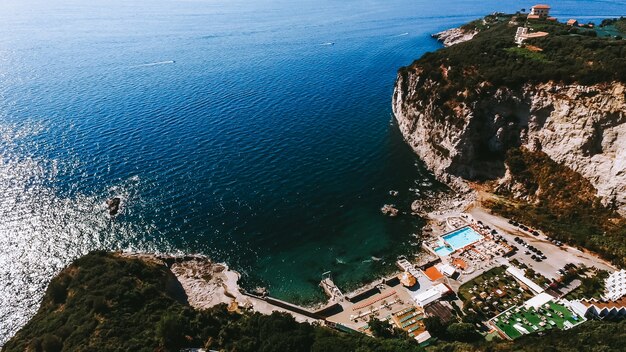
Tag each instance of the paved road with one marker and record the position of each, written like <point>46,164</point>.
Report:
<point>557,256</point>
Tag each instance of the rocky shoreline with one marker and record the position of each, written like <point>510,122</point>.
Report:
<point>207,283</point>
<point>454,36</point>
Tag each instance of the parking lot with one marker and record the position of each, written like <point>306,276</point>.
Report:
<point>556,257</point>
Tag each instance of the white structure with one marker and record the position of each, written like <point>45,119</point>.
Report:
<point>408,267</point>
<point>522,34</point>
<point>519,275</point>
<point>447,269</point>
<point>578,307</point>
<point>432,294</point>
<point>538,301</point>
<point>615,286</point>
<point>422,337</point>
<point>541,10</point>
<point>593,308</point>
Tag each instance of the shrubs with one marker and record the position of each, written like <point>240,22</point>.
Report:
<point>104,302</point>
<point>57,291</point>
<point>463,332</point>
<point>170,331</point>
<point>493,57</point>
<point>160,322</point>
<point>566,207</point>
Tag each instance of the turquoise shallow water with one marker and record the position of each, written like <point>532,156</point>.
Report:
<point>257,132</point>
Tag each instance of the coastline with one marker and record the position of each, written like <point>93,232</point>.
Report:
<point>207,284</point>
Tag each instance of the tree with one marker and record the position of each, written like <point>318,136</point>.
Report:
<point>463,332</point>
<point>169,332</point>
<point>472,318</point>
<point>435,327</point>
<point>380,328</point>
<point>51,343</point>
<point>58,291</point>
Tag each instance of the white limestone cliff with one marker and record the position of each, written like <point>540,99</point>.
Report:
<point>582,127</point>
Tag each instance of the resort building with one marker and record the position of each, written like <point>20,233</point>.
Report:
<point>615,285</point>
<point>423,337</point>
<point>521,277</point>
<point>523,34</point>
<point>407,279</point>
<point>596,309</point>
<point>538,301</point>
<point>572,22</point>
<point>447,269</point>
<point>540,11</point>
<point>405,265</point>
<point>431,295</point>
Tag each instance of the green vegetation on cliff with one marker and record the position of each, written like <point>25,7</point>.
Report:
<point>590,337</point>
<point>567,54</point>
<point>104,302</point>
<point>562,203</point>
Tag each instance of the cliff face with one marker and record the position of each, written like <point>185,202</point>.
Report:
<point>582,127</point>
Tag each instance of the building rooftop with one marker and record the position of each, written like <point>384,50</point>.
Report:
<point>536,35</point>
<point>519,275</point>
<point>541,6</point>
<point>615,285</point>
<point>433,274</point>
<point>538,301</point>
<point>407,279</point>
<point>601,305</point>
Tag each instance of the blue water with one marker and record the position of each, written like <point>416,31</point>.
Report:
<point>229,128</point>
<point>462,237</point>
<point>443,251</point>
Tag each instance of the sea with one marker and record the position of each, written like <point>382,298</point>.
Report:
<point>256,132</point>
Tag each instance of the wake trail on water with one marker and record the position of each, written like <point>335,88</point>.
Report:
<point>168,62</point>
<point>401,34</point>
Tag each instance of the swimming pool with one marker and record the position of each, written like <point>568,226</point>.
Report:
<point>443,251</point>
<point>462,237</point>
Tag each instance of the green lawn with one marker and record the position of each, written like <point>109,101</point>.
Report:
<point>489,282</point>
<point>527,54</point>
<point>530,319</point>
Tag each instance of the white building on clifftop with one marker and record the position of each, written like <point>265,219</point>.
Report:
<point>539,11</point>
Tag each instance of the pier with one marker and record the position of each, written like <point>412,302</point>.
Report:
<point>331,290</point>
